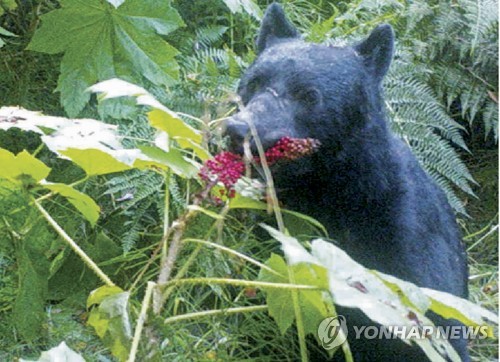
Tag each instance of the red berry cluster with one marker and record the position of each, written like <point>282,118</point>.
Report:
<point>227,167</point>
<point>288,148</point>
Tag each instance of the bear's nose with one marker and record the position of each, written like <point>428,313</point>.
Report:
<point>237,130</point>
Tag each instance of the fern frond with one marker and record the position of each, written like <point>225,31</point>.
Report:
<point>207,36</point>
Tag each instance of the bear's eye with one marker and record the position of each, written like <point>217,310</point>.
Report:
<point>308,96</point>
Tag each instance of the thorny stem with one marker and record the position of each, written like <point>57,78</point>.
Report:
<point>207,313</point>
<point>168,260</point>
<point>166,236</point>
<point>89,262</point>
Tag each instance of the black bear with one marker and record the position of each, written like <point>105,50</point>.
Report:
<point>363,184</point>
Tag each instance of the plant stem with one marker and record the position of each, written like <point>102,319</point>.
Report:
<point>166,207</point>
<point>271,191</point>
<point>208,313</point>
<point>235,253</point>
<point>86,259</point>
<point>298,317</point>
<point>140,321</point>
<point>241,282</point>
<point>168,260</point>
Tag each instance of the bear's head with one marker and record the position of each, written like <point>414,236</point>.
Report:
<point>304,90</point>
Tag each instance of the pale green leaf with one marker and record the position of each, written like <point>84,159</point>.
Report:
<point>187,143</point>
<point>240,202</point>
<point>60,133</point>
<point>249,6</point>
<point>7,5</point>
<point>172,159</point>
<point>170,123</point>
<point>212,214</point>
<point>5,32</point>
<point>278,300</point>
<point>95,162</point>
<point>449,306</point>
<point>83,203</point>
<point>384,299</point>
<point>111,320</point>
<point>101,293</point>
<point>23,164</point>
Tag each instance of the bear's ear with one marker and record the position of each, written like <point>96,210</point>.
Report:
<point>275,25</point>
<point>377,50</point>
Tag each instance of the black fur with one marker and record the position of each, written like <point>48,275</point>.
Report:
<point>363,184</point>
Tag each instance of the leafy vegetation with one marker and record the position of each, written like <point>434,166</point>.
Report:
<point>108,237</point>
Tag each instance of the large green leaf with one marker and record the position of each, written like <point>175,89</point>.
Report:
<point>82,202</point>
<point>95,162</point>
<point>100,42</point>
<point>23,164</point>
<point>172,159</point>
<point>314,308</point>
<point>384,299</point>
<point>173,125</point>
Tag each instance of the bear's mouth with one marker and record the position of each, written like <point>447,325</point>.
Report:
<point>227,168</point>
<point>289,149</point>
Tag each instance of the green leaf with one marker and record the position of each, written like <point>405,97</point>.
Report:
<point>314,306</point>
<point>29,313</point>
<point>384,299</point>
<point>98,295</point>
<point>82,202</point>
<point>24,164</point>
<point>101,41</point>
<point>172,159</point>
<point>94,161</point>
<point>174,126</point>
<point>241,202</point>
<point>7,5</point>
<point>237,6</point>
<point>449,306</point>
<point>187,143</point>
<point>352,285</point>
<point>278,300</point>
<point>5,32</point>
<point>111,321</point>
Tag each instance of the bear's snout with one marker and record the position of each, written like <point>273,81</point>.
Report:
<point>238,130</point>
